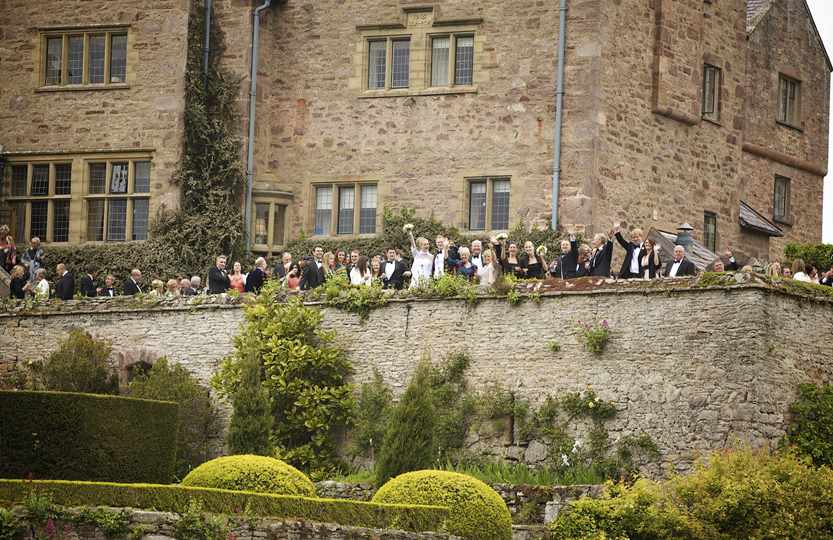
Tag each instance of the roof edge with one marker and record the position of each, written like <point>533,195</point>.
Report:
<point>751,27</point>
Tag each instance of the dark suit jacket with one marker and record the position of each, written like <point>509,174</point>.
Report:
<point>280,271</point>
<point>218,281</point>
<point>565,266</point>
<point>311,275</point>
<point>397,280</point>
<point>600,262</point>
<point>687,268</point>
<point>65,287</point>
<point>254,281</point>
<point>130,287</point>
<point>632,251</point>
<point>109,292</point>
<point>87,286</point>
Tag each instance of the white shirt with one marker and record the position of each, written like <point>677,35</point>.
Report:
<point>486,275</point>
<point>439,264</point>
<point>674,268</point>
<point>635,261</point>
<point>42,290</point>
<point>390,267</point>
<point>356,277</point>
<point>801,276</point>
<point>477,260</point>
<point>421,268</point>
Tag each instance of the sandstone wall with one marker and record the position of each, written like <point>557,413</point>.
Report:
<point>695,369</point>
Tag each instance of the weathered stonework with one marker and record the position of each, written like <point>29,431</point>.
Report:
<point>696,369</point>
<point>635,148</point>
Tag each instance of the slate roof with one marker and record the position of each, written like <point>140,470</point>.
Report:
<point>751,219</point>
<point>700,255</point>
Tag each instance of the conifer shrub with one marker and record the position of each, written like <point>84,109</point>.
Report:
<point>251,473</point>
<point>408,443</point>
<point>251,419</point>
<point>198,421</point>
<point>80,364</point>
<point>477,512</point>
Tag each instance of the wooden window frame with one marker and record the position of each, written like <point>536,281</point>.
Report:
<point>452,58</point>
<point>706,217</point>
<point>50,198</point>
<point>795,120</point>
<point>335,186</point>
<point>270,246</point>
<point>786,218</point>
<point>130,195</point>
<point>714,114</point>
<point>86,33</point>
<point>489,180</point>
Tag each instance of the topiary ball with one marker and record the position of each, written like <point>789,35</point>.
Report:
<point>477,512</point>
<point>251,473</point>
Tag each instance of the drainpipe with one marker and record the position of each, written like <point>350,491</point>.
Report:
<point>207,41</point>
<point>559,105</point>
<point>250,156</point>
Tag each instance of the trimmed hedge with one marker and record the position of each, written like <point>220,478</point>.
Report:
<point>477,512</point>
<point>175,498</point>
<point>251,473</point>
<point>86,437</point>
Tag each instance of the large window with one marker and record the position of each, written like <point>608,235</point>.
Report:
<point>452,60</point>
<point>117,201</point>
<point>388,63</point>
<point>269,225</point>
<point>781,202</point>
<point>488,203</point>
<point>710,230</point>
<point>711,92</point>
<point>789,101</point>
<point>355,209</point>
<point>84,57</point>
<point>39,199</point>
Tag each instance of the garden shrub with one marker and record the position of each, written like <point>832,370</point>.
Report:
<point>177,498</point>
<point>198,420</point>
<point>86,437</point>
<point>811,425</point>
<point>304,372</point>
<point>477,512</point>
<point>408,443</point>
<point>251,419</point>
<point>818,255</point>
<point>373,407</point>
<point>737,494</point>
<point>9,525</point>
<point>251,473</point>
<point>194,524</point>
<point>80,364</point>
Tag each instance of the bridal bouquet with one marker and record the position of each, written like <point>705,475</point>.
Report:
<point>408,227</point>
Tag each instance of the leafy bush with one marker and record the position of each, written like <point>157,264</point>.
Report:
<point>9,525</point>
<point>305,374</point>
<point>819,255</point>
<point>477,511</point>
<point>251,473</point>
<point>80,364</point>
<point>340,294</point>
<point>86,436</point>
<point>176,498</point>
<point>251,420</point>
<point>194,524</point>
<point>112,524</point>
<point>595,336</point>
<point>737,494</point>
<point>408,444</point>
<point>198,421</point>
<point>811,426</point>
<point>373,408</point>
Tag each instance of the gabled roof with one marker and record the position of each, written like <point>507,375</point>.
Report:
<point>696,252</point>
<point>752,219</point>
<point>756,9</point>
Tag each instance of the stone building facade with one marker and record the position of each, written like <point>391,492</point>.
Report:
<point>708,112</point>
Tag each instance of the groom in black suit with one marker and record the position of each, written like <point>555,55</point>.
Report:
<point>393,271</point>
<point>312,270</point>
<point>680,266</point>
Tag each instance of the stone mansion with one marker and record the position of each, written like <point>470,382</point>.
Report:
<point>712,112</point>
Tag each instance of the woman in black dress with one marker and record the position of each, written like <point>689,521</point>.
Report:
<point>511,264</point>
<point>649,260</point>
<point>532,264</point>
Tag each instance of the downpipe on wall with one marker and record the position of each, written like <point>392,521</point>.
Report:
<point>559,105</point>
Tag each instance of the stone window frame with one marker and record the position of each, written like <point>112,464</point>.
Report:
<point>130,195</point>
<point>274,200</point>
<point>710,243</point>
<point>453,38</point>
<point>794,120</point>
<point>712,115</point>
<point>22,224</point>
<point>786,217</point>
<point>420,25</point>
<point>489,181</point>
<point>357,185</point>
<point>65,33</point>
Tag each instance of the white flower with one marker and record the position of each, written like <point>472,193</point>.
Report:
<point>502,236</point>
<point>565,460</point>
<point>408,227</point>
<point>542,250</point>
<point>591,404</point>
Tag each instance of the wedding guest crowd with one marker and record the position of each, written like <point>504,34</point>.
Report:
<point>641,259</point>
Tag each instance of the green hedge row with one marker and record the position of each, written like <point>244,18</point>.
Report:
<point>86,437</point>
<point>175,498</point>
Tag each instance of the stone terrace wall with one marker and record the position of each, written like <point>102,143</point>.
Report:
<point>696,369</point>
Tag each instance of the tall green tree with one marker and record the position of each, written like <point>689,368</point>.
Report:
<point>251,422</point>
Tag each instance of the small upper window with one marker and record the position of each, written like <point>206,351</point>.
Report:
<point>711,92</point>
<point>789,101</point>
<point>388,63</point>
<point>781,199</point>
<point>452,59</point>
<point>79,57</point>
<point>710,230</point>
<point>354,211</point>
<point>489,204</point>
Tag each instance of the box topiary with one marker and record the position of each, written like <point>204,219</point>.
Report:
<point>72,436</point>
<point>251,473</point>
<point>477,512</point>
